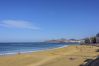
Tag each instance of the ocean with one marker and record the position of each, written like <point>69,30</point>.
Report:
<point>24,47</point>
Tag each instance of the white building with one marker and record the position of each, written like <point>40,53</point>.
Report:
<point>82,41</point>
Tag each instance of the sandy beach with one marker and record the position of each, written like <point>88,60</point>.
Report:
<point>66,56</point>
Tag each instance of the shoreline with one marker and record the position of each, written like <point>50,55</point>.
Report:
<point>72,55</point>
<point>26,52</point>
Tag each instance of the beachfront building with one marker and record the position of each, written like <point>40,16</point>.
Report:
<point>82,41</point>
<point>89,40</point>
<point>97,38</point>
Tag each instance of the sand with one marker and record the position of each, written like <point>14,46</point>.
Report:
<point>67,56</point>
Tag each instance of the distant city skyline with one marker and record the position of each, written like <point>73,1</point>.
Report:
<point>39,20</point>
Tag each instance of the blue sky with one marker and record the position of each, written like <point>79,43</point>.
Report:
<point>38,20</point>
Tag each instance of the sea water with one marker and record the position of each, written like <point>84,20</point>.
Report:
<point>24,47</point>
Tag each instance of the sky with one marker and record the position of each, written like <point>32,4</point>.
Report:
<point>39,20</point>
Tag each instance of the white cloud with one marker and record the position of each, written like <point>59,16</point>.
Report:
<point>18,24</point>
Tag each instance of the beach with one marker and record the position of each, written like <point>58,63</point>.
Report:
<point>64,56</point>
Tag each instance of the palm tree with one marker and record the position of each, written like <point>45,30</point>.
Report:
<point>93,39</point>
<point>87,40</point>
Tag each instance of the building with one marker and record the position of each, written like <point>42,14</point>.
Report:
<point>82,41</point>
<point>97,38</point>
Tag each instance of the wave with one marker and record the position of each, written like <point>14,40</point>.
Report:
<point>22,52</point>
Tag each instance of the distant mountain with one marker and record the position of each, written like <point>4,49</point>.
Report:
<point>62,41</point>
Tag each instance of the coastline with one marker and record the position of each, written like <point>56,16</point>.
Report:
<point>61,56</point>
<point>34,58</point>
<point>26,52</point>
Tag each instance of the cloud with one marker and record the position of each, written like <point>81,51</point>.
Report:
<point>18,24</point>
